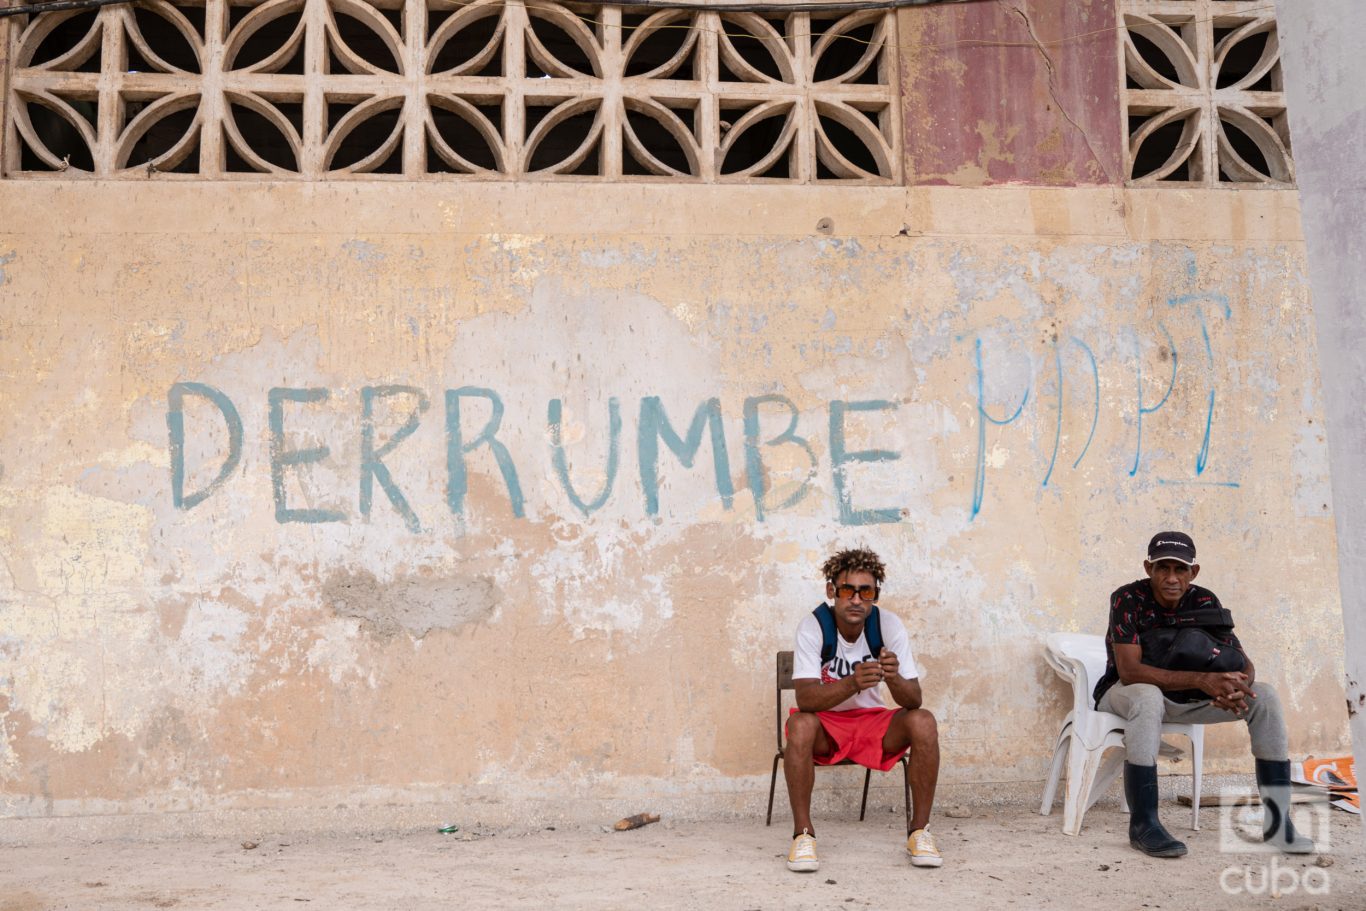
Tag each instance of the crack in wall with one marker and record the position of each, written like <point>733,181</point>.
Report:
<point>1052,87</point>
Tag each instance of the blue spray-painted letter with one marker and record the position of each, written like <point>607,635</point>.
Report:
<point>754,463</point>
<point>654,425</point>
<point>280,457</point>
<point>554,417</point>
<point>175,425</point>
<point>839,457</point>
<point>372,467</point>
<point>979,484</point>
<point>457,473</point>
<point>1149,409</point>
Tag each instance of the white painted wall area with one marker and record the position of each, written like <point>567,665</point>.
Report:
<point>1321,44</point>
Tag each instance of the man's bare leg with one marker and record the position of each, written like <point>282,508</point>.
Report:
<point>806,739</point>
<point>915,728</point>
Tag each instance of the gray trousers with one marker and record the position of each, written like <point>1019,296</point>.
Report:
<point>1145,707</point>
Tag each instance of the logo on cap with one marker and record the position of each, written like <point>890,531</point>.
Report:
<point>1171,545</point>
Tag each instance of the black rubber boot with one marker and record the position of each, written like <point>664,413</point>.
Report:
<point>1273,781</point>
<point>1145,832</point>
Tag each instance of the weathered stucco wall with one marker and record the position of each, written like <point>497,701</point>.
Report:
<point>968,71</point>
<point>391,593</point>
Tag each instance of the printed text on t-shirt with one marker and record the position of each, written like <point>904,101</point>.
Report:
<point>838,668</point>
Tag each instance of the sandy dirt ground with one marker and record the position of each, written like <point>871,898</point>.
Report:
<point>998,858</point>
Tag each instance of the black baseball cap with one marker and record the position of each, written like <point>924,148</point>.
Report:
<point>1172,545</point>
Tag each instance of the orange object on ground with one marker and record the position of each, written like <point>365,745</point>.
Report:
<point>1336,774</point>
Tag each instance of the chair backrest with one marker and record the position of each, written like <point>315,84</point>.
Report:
<point>783,681</point>
<point>1080,659</point>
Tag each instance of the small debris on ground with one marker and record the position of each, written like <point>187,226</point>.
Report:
<point>958,812</point>
<point>249,846</point>
<point>635,822</point>
<point>1323,860</point>
<point>831,882</point>
<point>1103,867</point>
<point>449,828</point>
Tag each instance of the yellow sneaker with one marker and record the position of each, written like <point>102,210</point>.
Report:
<point>802,857</point>
<point>921,847</point>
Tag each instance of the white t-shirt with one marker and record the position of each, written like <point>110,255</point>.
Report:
<point>806,659</point>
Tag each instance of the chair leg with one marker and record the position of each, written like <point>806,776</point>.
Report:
<point>1050,790</point>
<point>1110,768</point>
<point>772,784</point>
<point>906,784</point>
<point>863,807</point>
<point>1081,772</point>
<point>1198,761</point>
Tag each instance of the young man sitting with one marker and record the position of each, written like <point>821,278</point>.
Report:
<point>837,676</point>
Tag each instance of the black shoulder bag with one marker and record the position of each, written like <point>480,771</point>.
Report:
<point>1189,642</point>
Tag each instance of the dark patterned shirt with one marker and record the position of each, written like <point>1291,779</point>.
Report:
<point>1134,610</point>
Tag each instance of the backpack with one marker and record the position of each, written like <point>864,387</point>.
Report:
<point>872,631</point>
<point>1188,642</point>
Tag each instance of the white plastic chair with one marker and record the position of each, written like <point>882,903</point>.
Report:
<point>1087,733</point>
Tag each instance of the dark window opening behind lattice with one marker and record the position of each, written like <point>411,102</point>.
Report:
<point>418,88</point>
<point>1203,93</point>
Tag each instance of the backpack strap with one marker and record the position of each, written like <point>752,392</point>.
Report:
<point>1206,617</point>
<point>826,618</point>
<point>872,631</point>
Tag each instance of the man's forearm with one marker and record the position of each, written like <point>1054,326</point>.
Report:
<point>814,696</point>
<point>906,693</point>
<point>1164,679</point>
<point>1132,669</point>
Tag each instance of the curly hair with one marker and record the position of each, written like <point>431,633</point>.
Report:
<point>855,560</point>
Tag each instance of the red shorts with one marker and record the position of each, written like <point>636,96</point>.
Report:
<point>857,735</point>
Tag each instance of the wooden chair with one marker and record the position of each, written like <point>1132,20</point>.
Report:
<point>784,682</point>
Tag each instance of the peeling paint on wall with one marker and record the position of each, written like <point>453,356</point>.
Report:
<point>412,605</point>
<point>294,514</point>
<point>968,70</point>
